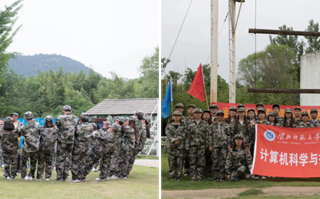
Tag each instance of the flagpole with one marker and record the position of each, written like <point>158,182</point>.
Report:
<point>204,86</point>
<point>171,97</point>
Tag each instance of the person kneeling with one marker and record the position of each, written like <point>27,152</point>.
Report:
<point>238,159</point>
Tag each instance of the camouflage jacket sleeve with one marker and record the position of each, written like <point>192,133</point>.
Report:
<point>229,162</point>
<point>209,137</point>
<point>143,137</point>
<point>248,158</point>
<point>230,137</point>
<point>169,134</point>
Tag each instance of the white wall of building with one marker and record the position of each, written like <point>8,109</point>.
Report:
<point>310,78</point>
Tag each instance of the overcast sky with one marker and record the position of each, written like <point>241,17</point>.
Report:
<point>193,45</point>
<point>106,35</point>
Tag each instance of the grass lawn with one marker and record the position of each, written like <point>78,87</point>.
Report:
<point>143,182</point>
<point>274,197</point>
<point>187,184</point>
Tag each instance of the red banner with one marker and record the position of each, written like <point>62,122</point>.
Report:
<point>226,106</point>
<point>287,152</point>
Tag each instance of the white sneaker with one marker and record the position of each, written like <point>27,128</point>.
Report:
<point>108,178</point>
<point>125,177</point>
<point>263,178</point>
<point>93,169</point>
<point>30,178</point>
<point>47,179</point>
<point>26,178</point>
<point>2,165</point>
<point>113,177</point>
<point>99,179</point>
<point>8,178</point>
<point>76,181</point>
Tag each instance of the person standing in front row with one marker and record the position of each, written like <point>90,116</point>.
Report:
<point>9,140</point>
<point>67,125</point>
<point>221,143</point>
<point>176,132</point>
<point>30,146</point>
<point>48,139</point>
<point>197,143</point>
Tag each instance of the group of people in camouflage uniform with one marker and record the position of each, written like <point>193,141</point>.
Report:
<point>205,144</point>
<point>78,144</point>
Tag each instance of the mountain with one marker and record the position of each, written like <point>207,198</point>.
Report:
<point>29,65</point>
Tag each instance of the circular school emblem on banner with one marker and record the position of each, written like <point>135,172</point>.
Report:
<point>269,135</point>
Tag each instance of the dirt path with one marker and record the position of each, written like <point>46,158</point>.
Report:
<point>224,193</point>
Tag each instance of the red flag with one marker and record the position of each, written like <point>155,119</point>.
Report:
<point>196,89</point>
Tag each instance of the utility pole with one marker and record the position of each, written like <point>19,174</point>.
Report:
<point>214,51</point>
<point>233,22</point>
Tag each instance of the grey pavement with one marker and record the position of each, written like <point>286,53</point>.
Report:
<point>147,163</point>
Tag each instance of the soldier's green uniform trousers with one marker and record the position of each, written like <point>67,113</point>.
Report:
<point>33,163</point>
<point>209,164</point>
<point>45,157</point>
<point>186,160</point>
<point>237,173</point>
<point>125,153</point>
<point>78,162</point>
<point>175,159</point>
<point>10,163</point>
<point>63,159</point>
<point>114,166</point>
<point>219,156</point>
<point>105,164</point>
<point>197,162</point>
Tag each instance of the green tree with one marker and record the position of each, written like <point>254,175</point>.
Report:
<point>313,42</point>
<point>270,68</point>
<point>149,70</point>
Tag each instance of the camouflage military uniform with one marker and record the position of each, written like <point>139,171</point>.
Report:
<point>175,155</point>
<point>186,156</point>
<point>104,147</point>
<point>115,158</point>
<point>30,147</point>
<point>237,162</point>
<point>280,120</point>
<point>247,136</point>
<point>315,122</point>
<point>197,143</point>
<point>82,140</point>
<point>302,125</point>
<point>67,125</point>
<point>48,141</point>
<point>221,142</point>
<point>296,122</point>
<point>126,150</point>
<point>139,143</point>
<point>10,145</point>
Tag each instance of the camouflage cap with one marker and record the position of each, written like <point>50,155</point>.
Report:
<point>114,127</point>
<point>28,115</point>
<point>220,112</point>
<point>139,113</point>
<point>241,109</point>
<point>177,113</point>
<point>288,110</point>
<point>16,114</point>
<point>251,109</point>
<point>214,106</point>
<point>233,109</point>
<point>147,119</point>
<point>179,105</point>
<point>192,105</point>
<point>116,118</point>
<point>239,135</point>
<point>272,114</point>
<point>48,118</point>
<point>107,123</point>
<point>122,119</point>
<point>133,119</point>
<point>8,120</point>
<point>206,111</point>
<point>198,110</point>
<point>297,107</point>
<point>262,110</point>
<point>314,110</point>
<point>305,113</point>
<point>241,105</point>
<point>67,108</point>
<point>259,104</point>
<point>84,115</point>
